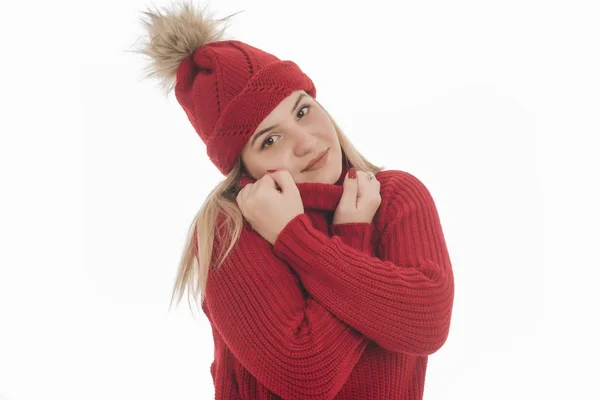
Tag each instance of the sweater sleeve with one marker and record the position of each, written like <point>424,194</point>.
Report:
<point>355,234</point>
<point>403,300</point>
<point>287,340</point>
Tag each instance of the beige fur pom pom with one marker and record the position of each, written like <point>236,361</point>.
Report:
<point>174,35</point>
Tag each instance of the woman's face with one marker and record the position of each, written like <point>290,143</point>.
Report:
<point>292,135</point>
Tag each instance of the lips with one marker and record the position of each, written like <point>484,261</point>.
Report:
<point>316,160</point>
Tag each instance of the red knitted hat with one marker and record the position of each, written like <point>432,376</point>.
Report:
<point>226,87</point>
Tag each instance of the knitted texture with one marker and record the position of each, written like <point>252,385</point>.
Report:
<point>227,88</point>
<point>345,311</point>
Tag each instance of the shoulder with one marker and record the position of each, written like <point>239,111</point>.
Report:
<point>395,182</point>
<point>401,192</point>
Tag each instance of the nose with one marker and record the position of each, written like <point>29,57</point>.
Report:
<point>304,142</point>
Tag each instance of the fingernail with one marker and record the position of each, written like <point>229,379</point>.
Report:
<point>271,170</point>
<point>352,173</point>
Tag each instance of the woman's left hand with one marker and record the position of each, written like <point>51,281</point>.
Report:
<point>360,200</point>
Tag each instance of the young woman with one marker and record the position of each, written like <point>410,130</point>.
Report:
<point>322,275</point>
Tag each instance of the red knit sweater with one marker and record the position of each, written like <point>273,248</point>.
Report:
<point>347,311</point>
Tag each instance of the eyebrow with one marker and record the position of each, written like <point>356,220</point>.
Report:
<point>276,125</point>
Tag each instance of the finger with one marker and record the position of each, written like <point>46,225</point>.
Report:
<point>241,197</point>
<point>283,179</point>
<point>350,190</point>
<point>267,181</point>
<point>363,180</point>
<point>248,189</point>
<point>374,178</point>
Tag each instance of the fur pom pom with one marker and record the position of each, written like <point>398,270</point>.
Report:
<point>174,35</point>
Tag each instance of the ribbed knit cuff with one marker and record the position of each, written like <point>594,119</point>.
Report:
<point>355,234</point>
<point>300,242</point>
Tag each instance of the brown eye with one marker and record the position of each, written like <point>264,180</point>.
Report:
<point>303,107</point>
<point>266,140</point>
<point>264,143</point>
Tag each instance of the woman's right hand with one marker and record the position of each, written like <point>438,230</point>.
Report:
<point>266,208</point>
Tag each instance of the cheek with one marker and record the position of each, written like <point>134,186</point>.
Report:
<point>256,165</point>
<point>274,158</point>
<point>326,126</point>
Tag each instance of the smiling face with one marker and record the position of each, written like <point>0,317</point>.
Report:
<point>292,135</point>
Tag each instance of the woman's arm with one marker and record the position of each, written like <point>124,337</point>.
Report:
<point>355,234</point>
<point>403,300</point>
<point>291,344</point>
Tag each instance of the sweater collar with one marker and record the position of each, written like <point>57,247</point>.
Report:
<point>315,195</point>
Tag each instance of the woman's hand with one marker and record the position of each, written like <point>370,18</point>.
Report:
<point>266,208</point>
<point>360,199</point>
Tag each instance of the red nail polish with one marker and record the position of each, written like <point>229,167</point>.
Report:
<point>271,170</point>
<point>352,173</point>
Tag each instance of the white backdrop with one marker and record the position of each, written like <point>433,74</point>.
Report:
<point>493,105</point>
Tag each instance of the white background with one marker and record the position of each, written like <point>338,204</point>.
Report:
<point>493,105</point>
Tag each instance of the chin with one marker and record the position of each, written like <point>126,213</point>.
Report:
<point>326,174</point>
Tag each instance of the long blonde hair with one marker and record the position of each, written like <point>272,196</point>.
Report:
<point>197,257</point>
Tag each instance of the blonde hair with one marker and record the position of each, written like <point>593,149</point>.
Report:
<point>197,257</point>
